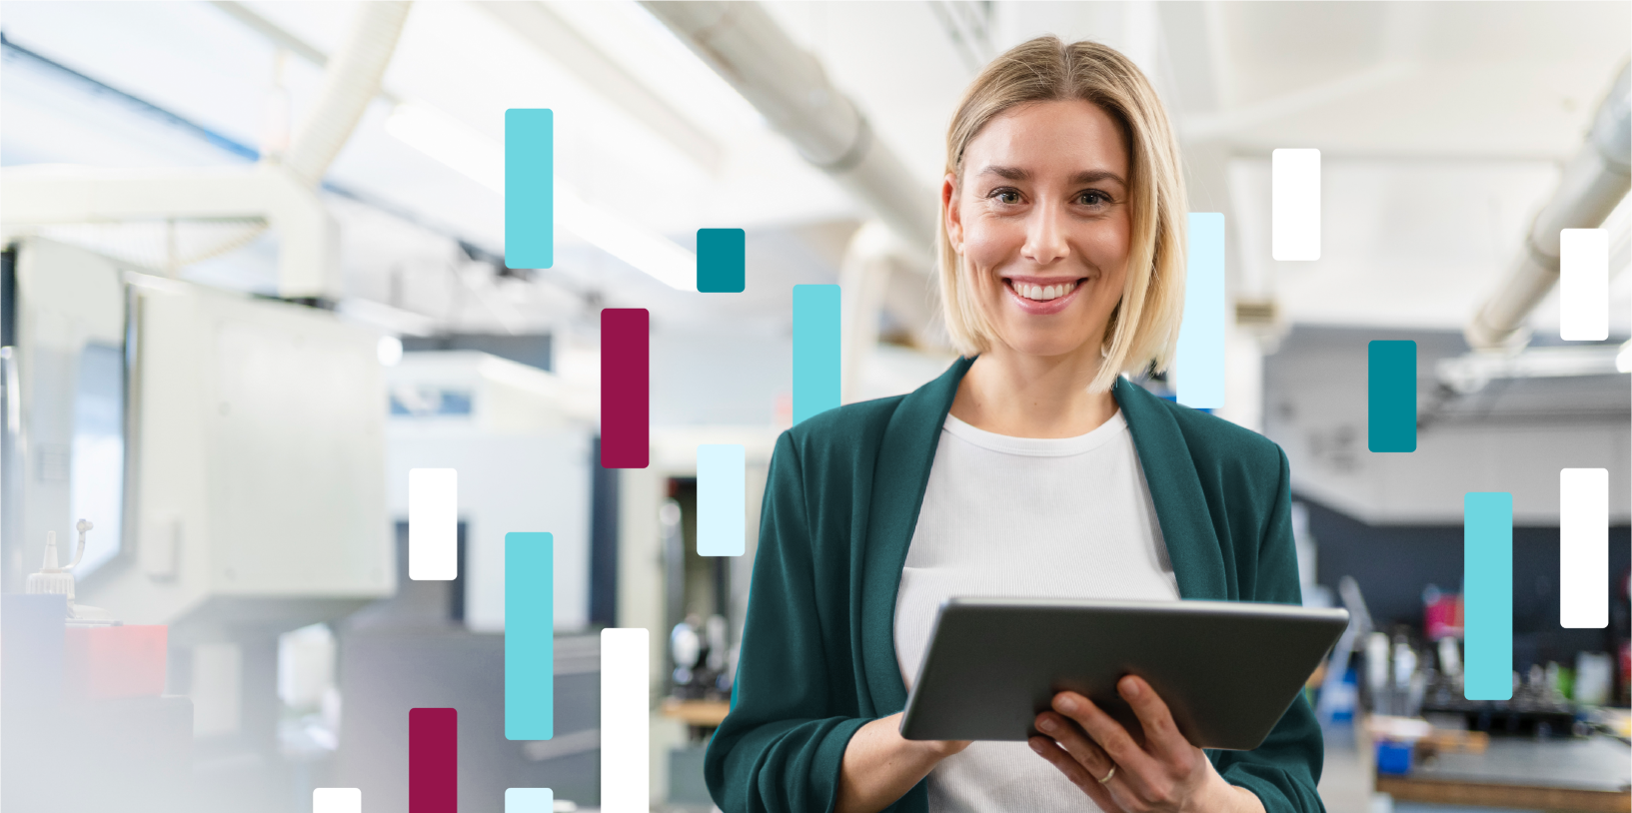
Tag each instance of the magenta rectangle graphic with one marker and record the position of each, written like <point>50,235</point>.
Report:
<point>625,388</point>
<point>433,761</point>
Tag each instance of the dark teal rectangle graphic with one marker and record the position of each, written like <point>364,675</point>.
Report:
<point>529,188</point>
<point>721,261</point>
<point>1487,595</point>
<point>1391,396</point>
<point>529,636</point>
<point>815,349</point>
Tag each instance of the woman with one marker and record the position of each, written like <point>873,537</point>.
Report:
<point>1030,468</point>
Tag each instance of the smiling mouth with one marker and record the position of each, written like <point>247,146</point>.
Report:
<point>1043,293</point>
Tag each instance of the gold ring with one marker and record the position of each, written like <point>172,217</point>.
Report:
<point>1109,775</point>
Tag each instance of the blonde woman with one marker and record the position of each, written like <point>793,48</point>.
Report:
<point>1031,468</point>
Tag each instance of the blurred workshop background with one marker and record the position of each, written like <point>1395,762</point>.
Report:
<point>254,273</point>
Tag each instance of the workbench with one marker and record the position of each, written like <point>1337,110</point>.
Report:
<point>1591,774</point>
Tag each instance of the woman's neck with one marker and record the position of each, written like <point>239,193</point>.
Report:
<point>1026,396</point>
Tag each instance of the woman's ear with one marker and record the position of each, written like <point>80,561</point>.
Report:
<point>954,217</point>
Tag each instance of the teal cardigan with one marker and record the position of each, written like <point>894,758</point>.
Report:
<point>841,502</point>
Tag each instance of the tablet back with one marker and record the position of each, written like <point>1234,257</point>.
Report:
<point>1227,670</point>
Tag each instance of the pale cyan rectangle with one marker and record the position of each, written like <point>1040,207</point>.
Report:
<point>815,349</point>
<point>337,800</point>
<point>529,636</point>
<point>433,524</point>
<point>1487,593</point>
<point>1199,363</point>
<point>722,499</point>
<point>1583,548</point>
<point>625,720</point>
<point>529,800</point>
<point>1583,285</point>
<point>1295,204</point>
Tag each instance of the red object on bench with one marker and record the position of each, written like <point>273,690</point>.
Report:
<point>101,663</point>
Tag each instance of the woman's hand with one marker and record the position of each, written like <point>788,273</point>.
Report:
<point>880,765</point>
<point>1165,775</point>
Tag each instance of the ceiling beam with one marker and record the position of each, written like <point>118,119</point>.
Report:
<point>553,36</point>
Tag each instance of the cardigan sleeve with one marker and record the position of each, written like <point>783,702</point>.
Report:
<point>1284,770</point>
<point>782,744</point>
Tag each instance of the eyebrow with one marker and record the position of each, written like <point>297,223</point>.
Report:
<point>1084,177</point>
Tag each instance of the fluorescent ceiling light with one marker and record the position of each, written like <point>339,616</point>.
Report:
<point>450,141</point>
<point>479,158</point>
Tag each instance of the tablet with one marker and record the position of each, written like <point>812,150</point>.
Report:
<point>1228,670</point>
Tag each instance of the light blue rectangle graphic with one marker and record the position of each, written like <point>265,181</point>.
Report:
<point>529,800</point>
<point>529,636</point>
<point>815,349</point>
<point>529,188</point>
<point>1487,587</point>
<point>1199,363</point>
<point>722,500</point>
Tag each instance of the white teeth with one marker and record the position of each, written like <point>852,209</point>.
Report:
<point>1043,293</point>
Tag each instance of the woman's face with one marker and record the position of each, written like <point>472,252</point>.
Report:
<point>1041,219</point>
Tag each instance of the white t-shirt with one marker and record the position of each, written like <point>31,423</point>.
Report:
<point>1025,518</point>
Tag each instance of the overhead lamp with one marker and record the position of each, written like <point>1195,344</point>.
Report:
<point>481,159</point>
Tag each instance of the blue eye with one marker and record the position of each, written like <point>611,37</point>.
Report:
<point>1089,198</point>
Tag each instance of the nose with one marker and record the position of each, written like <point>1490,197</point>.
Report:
<point>1045,235</point>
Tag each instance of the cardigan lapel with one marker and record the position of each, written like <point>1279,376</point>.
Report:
<point>1175,491</point>
<point>900,478</point>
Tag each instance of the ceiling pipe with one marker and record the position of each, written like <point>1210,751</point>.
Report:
<point>1594,181</point>
<point>741,42</point>
<point>351,79</point>
<point>544,29</point>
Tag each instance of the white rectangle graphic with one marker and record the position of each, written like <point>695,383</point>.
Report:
<point>1583,285</point>
<point>1295,204</point>
<point>1583,548</point>
<point>433,524</point>
<point>625,720</point>
<point>337,800</point>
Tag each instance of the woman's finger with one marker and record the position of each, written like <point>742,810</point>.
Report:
<point>1075,743</point>
<point>1162,735</point>
<point>1106,732</point>
<point>1074,771</point>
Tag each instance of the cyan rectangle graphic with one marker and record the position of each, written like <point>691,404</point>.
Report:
<point>1487,578</point>
<point>1391,396</point>
<point>721,261</point>
<point>1199,364</point>
<point>529,188</point>
<point>529,636</point>
<point>529,800</point>
<point>815,349</point>
<point>722,500</point>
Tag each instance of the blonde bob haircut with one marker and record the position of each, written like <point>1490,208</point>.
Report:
<point>1144,327</point>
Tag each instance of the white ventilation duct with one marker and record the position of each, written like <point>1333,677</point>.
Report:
<point>741,42</point>
<point>1594,181</point>
<point>351,79</point>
